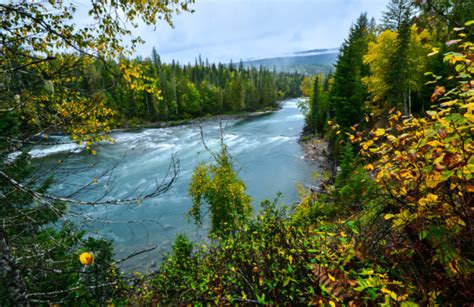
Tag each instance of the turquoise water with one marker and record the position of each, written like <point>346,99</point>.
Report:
<point>265,151</point>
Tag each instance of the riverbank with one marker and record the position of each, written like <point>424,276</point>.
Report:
<point>317,149</point>
<point>198,120</point>
<point>206,119</point>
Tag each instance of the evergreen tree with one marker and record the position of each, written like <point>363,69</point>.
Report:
<point>348,92</point>
<point>155,58</point>
<point>399,18</point>
<point>397,14</point>
<point>314,108</point>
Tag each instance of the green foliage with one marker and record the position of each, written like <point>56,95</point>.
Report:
<point>398,14</point>
<point>218,186</point>
<point>176,274</point>
<point>442,16</point>
<point>314,113</point>
<point>271,260</point>
<point>348,93</point>
<point>316,108</point>
<point>346,163</point>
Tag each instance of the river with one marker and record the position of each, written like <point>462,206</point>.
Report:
<point>265,150</point>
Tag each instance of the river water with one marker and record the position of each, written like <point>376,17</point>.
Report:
<point>265,152</point>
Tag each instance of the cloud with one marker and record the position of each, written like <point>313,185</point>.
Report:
<point>222,30</point>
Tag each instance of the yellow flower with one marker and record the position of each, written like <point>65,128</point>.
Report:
<point>86,258</point>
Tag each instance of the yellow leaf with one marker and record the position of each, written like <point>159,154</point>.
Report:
<point>379,132</point>
<point>331,277</point>
<point>434,51</point>
<point>433,180</point>
<point>385,290</point>
<point>452,267</point>
<point>429,199</point>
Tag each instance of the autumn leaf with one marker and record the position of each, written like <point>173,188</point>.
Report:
<point>379,132</point>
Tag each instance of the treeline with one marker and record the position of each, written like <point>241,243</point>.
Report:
<point>173,91</point>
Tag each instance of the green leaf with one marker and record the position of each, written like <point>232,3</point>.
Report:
<point>422,234</point>
<point>261,299</point>
<point>447,174</point>
<point>470,22</point>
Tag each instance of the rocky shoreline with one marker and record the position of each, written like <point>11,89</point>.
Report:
<point>317,149</point>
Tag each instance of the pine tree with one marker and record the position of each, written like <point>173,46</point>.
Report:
<point>155,58</point>
<point>397,14</point>
<point>399,18</point>
<point>314,107</point>
<point>348,93</point>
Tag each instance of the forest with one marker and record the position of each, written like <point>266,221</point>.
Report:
<point>174,91</point>
<point>390,222</point>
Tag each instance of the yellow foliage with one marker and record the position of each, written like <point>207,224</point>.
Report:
<point>426,165</point>
<point>378,58</point>
<point>307,86</point>
<point>137,81</point>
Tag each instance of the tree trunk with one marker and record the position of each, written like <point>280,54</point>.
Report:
<point>409,101</point>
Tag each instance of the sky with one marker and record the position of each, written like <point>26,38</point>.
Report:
<point>224,30</point>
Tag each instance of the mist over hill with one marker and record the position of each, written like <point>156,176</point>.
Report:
<point>307,62</point>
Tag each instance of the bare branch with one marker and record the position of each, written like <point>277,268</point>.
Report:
<point>166,184</point>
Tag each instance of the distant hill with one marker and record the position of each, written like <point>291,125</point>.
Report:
<point>308,62</point>
<point>320,51</point>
